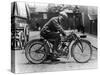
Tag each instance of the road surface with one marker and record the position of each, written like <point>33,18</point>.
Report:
<point>23,66</point>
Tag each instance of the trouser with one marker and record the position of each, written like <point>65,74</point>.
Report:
<point>53,36</point>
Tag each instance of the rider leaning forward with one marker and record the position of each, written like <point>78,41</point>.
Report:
<point>50,31</point>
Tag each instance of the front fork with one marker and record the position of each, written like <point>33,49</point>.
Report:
<point>80,46</point>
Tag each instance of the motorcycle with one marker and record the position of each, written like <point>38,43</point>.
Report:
<point>36,51</point>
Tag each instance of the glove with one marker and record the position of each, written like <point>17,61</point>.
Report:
<point>64,34</point>
<point>65,38</point>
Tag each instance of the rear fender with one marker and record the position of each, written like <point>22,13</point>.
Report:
<point>29,42</point>
<point>47,50</point>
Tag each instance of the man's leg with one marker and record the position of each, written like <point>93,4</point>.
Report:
<point>56,42</point>
<point>56,37</point>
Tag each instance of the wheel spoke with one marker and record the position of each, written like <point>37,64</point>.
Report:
<point>36,52</point>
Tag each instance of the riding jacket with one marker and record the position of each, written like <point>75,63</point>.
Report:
<point>53,25</point>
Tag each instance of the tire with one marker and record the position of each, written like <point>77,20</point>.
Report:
<point>80,56</point>
<point>29,54</point>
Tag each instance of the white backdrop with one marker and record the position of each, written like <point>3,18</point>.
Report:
<point>5,11</point>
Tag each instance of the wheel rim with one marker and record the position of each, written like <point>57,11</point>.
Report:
<point>82,56</point>
<point>37,52</point>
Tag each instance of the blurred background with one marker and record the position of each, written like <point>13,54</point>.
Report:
<point>27,17</point>
<point>39,13</point>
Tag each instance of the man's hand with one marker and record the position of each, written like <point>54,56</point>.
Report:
<point>65,38</point>
<point>64,34</point>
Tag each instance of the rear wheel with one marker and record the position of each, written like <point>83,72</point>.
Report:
<point>82,52</point>
<point>35,52</point>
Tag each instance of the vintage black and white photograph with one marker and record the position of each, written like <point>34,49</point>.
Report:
<point>48,37</point>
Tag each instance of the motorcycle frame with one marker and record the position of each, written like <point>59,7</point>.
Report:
<point>74,37</point>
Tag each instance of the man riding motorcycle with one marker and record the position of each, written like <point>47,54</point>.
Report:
<point>50,31</point>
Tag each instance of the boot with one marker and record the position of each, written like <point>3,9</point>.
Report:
<point>52,57</point>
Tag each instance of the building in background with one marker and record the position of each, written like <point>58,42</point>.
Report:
<point>19,24</point>
<point>89,18</point>
<point>40,13</point>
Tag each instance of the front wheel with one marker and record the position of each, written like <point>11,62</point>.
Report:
<point>82,51</point>
<point>36,52</point>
